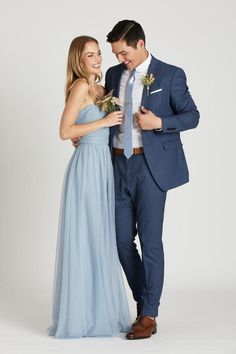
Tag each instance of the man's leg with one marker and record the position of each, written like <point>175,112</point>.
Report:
<point>149,202</point>
<point>126,230</point>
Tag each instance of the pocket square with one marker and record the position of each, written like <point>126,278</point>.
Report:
<point>159,90</point>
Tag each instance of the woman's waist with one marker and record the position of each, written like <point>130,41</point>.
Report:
<point>94,140</point>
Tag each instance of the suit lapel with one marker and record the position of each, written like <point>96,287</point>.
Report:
<point>152,69</point>
<point>116,87</point>
<point>117,78</point>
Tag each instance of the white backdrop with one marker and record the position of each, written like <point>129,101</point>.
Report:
<point>199,234</point>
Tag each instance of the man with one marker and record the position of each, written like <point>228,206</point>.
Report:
<point>148,160</point>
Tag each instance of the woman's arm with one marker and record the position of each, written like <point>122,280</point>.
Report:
<point>79,97</point>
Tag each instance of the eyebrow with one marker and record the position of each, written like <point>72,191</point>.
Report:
<point>123,51</point>
<point>99,51</point>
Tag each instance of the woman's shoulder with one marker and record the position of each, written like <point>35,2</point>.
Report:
<point>80,86</point>
<point>78,92</point>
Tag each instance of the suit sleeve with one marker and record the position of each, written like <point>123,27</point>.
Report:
<point>186,115</point>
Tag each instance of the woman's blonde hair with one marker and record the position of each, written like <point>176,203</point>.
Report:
<point>75,66</point>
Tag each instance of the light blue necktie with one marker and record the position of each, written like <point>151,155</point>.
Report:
<point>128,121</point>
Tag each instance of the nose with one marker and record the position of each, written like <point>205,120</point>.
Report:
<point>98,59</point>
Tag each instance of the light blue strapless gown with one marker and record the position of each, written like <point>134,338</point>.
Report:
<point>89,297</point>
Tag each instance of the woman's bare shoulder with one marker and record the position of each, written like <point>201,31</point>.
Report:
<point>80,86</point>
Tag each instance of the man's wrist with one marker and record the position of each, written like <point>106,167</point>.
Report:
<point>158,127</point>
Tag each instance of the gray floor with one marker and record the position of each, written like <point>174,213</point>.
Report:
<point>191,321</point>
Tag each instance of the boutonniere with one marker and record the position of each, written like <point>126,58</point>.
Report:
<point>108,103</point>
<point>147,81</point>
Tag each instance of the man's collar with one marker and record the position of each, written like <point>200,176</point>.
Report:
<point>143,67</point>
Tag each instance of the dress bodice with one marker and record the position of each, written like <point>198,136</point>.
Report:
<point>88,114</point>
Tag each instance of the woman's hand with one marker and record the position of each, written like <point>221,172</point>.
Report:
<point>76,141</point>
<point>112,119</point>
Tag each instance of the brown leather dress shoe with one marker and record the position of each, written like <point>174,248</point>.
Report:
<point>136,321</point>
<point>143,328</point>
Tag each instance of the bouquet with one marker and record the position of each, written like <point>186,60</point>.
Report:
<point>108,103</point>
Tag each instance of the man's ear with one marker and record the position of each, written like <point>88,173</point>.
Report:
<point>140,43</point>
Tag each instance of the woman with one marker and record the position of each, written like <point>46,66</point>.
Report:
<point>89,295</point>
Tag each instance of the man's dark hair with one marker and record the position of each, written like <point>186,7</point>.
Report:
<point>128,31</point>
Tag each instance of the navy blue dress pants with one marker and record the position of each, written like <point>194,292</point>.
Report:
<point>139,208</point>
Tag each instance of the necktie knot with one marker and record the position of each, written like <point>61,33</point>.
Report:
<point>132,75</point>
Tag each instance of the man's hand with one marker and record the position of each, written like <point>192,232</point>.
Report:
<point>76,141</point>
<point>147,120</point>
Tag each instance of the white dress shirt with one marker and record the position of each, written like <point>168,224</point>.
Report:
<point>141,71</point>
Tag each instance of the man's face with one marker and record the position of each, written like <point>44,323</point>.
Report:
<point>128,55</point>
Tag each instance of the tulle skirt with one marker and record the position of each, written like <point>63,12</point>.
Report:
<point>89,296</point>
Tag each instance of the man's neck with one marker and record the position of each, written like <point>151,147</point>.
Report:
<point>144,57</point>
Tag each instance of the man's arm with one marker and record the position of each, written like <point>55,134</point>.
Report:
<point>186,115</point>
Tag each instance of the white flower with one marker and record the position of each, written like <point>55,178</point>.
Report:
<point>108,103</point>
<point>147,81</point>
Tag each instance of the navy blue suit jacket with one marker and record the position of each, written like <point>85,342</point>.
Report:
<point>174,104</point>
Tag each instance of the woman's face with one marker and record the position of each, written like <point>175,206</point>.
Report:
<point>92,58</point>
